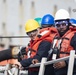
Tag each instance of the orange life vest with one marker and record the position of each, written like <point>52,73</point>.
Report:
<point>45,34</point>
<point>10,61</point>
<point>14,62</point>
<point>65,44</point>
<point>2,63</point>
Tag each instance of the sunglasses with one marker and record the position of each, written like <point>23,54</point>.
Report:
<point>63,23</point>
<point>29,33</point>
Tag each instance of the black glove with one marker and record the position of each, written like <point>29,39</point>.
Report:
<point>21,53</point>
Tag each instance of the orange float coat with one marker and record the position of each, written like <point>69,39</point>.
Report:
<point>65,46</point>
<point>45,34</point>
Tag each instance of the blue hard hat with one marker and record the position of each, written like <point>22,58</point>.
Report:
<point>47,20</point>
<point>73,22</point>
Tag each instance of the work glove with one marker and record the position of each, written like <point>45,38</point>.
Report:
<point>14,52</point>
<point>22,53</point>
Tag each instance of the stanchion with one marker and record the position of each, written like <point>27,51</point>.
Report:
<point>42,66</point>
<point>71,63</point>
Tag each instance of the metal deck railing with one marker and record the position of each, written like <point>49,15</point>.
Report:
<point>45,62</point>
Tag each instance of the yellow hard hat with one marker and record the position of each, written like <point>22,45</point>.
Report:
<point>31,25</point>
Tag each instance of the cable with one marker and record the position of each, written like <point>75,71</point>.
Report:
<point>14,37</point>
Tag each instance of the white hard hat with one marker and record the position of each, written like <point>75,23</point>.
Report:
<point>62,14</point>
